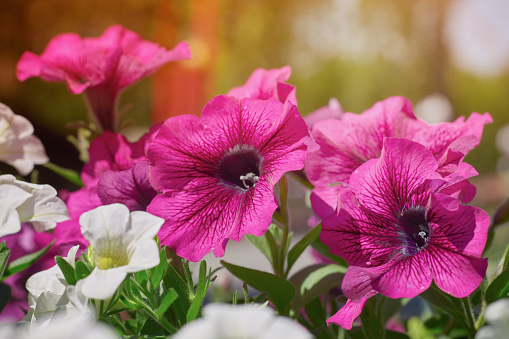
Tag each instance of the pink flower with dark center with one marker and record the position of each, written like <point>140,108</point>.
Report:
<point>399,231</point>
<point>265,84</point>
<point>116,173</point>
<point>217,173</point>
<point>99,67</point>
<point>347,143</point>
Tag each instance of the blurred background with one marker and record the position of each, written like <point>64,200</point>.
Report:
<point>450,58</point>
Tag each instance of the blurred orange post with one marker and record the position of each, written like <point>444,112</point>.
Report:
<point>185,87</point>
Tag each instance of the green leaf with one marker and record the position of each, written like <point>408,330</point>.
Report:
<point>68,174</point>
<point>5,253</point>
<point>499,288</point>
<point>315,280</point>
<point>280,291</point>
<point>166,302</point>
<point>159,270</point>
<point>143,278</point>
<point>315,312</point>
<point>318,245</point>
<point>67,270</point>
<point>5,295</point>
<point>25,262</point>
<point>299,247</point>
<point>448,303</point>
<point>201,290</point>
<point>417,329</point>
<point>181,305</point>
<point>501,214</point>
<point>153,328</point>
<point>81,271</point>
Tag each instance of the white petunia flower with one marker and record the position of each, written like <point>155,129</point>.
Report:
<point>81,326</point>
<point>122,243</point>
<point>18,146</point>
<point>49,295</point>
<point>497,316</point>
<point>25,202</point>
<point>224,321</point>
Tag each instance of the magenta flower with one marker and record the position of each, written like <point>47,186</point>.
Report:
<point>116,173</point>
<point>265,84</point>
<point>399,231</point>
<point>99,67</point>
<point>218,173</point>
<point>332,111</point>
<point>348,142</point>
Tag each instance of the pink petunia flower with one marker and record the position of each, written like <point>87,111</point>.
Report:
<point>265,84</point>
<point>116,173</point>
<point>99,67</point>
<point>399,231</point>
<point>217,173</point>
<point>348,142</point>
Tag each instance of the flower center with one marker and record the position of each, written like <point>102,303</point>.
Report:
<point>106,257</point>
<point>240,166</point>
<point>413,229</point>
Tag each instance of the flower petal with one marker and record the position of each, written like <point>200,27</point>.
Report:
<point>102,284</point>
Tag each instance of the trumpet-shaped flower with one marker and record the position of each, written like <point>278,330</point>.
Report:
<point>348,142</point>
<point>26,202</point>
<point>241,322</point>
<point>122,243</point>
<point>399,232</point>
<point>217,173</point>
<point>265,84</point>
<point>80,326</point>
<point>99,67</point>
<point>18,146</point>
<point>50,296</point>
<point>116,173</point>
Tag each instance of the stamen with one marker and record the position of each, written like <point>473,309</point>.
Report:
<point>253,179</point>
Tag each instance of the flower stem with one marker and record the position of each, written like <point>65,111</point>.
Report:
<point>469,316</point>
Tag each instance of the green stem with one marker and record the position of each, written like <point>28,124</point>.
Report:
<point>469,316</point>
<point>282,253</point>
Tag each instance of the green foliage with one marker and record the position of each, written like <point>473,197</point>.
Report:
<point>25,262</point>
<point>280,291</point>
<point>4,257</point>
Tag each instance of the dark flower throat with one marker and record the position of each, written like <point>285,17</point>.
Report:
<point>240,167</point>
<point>413,229</point>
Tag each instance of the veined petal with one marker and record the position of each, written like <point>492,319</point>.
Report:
<point>458,228</point>
<point>453,273</point>
<point>385,185</point>
<point>350,311</point>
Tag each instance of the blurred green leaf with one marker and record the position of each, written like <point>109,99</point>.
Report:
<point>5,295</point>
<point>67,270</point>
<point>160,270</point>
<point>315,280</point>
<point>417,329</point>
<point>300,246</point>
<point>25,262</point>
<point>499,287</point>
<point>280,291</point>
<point>5,253</point>
<point>81,270</point>
<point>68,174</point>
<point>201,290</point>
<point>166,302</point>
<point>173,279</point>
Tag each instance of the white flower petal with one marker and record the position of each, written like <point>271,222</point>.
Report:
<point>102,284</point>
<point>241,321</point>
<point>18,146</point>
<point>11,197</point>
<point>144,255</point>
<point>105,223</point>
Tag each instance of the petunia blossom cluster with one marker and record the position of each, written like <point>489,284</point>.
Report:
<point>388,193</point>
